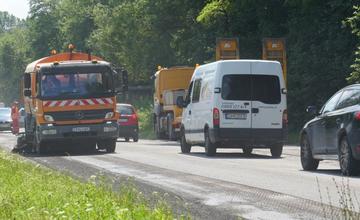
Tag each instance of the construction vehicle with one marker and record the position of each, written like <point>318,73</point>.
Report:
<point>70,97</point>
<point>275,49</point>
<point>227,49</point>
<point>170,83</point>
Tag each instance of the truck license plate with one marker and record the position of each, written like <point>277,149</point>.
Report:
<point>81,129</point>
<point>241,116</point>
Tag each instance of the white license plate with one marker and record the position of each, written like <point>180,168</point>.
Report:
<point>123,120</point>
<point>241,116</point>
<point>81,129</point>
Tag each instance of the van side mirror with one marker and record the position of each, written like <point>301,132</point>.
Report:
<point>312,110</point>
<point>180,102</point>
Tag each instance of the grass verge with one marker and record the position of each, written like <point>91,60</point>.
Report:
<point>29,191</point>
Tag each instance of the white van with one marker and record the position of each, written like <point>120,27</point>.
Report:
<point>235,104</point>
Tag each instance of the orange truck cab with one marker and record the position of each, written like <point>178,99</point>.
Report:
<point>71,98</point>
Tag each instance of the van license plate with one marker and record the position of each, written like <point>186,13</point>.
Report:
<point>81,129</point>
<point>240,116</point>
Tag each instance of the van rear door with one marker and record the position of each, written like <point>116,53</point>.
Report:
<point>267,101</point>
<point>235,104</point>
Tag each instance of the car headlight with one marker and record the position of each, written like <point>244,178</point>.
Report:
<point>109,115</point>
<point>48,118</point>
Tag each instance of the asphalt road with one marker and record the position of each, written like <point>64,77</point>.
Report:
<point>223,187</point>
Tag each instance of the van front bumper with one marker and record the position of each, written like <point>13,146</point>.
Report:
<point>107,130</point>
<point>238,137</point>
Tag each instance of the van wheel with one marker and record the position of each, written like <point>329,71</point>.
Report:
<point>276,150</point>
<point>348,165</point>
<point>210,148</point>
<point>307,160</point>
<point>247,150</point>
<point>185,147</point>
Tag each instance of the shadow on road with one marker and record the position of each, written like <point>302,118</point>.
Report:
<point>63,153</point>
<point>232,156</point>
<point>331,172</point>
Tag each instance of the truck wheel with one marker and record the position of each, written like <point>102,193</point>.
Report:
<point>247,150</point>
<point>348,164</point>
<point>157,128</point>
<point>185,147</point>
<point>307,160</point>
<point>170,128</point>
<point>40,147</point>
<point>276,150</point>
<point>210,148</point>
<point>109,145</point>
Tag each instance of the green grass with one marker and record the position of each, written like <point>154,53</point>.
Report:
<point>29,191</point>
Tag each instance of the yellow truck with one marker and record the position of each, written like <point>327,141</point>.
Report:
<point>227,49</point>
<point>275,49</point>
<point>71,98</point>
<point>170,83</point>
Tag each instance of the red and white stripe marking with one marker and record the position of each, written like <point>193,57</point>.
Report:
<point>78,102</point>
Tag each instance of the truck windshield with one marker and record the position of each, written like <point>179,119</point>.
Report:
<point>75,85</point>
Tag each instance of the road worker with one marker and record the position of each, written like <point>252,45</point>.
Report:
<point>15,116</point>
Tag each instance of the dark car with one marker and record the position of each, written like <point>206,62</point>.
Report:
<point>5,119</point>
<point>128,122</point>
<point>334,133</point>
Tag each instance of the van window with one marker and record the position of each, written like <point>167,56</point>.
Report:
<point>263,88</point>
<point>196,93</point>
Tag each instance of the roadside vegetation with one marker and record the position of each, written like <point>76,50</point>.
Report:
<point>322,39</point>
<point>349,202</point>
<point>29,191</point>
<point>144,109</point>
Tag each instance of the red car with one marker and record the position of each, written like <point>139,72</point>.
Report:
<point>128,122</point>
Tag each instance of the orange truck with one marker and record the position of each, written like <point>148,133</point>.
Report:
<point>71,98</point>
<point>170,83</point>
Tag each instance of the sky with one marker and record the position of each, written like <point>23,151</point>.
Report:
<point>19,8</point>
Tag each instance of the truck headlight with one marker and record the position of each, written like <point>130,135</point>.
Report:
<point>109,115</point>
<point>48,118</point>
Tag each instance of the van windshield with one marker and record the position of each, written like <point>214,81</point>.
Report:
<point>263,88</point>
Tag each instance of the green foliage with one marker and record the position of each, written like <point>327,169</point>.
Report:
<point>32,192</point>
<point>144,110</point>
<point>354,23</point>
<point>143,34</point>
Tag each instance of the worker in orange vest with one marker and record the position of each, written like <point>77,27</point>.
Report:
<point>15,117</point>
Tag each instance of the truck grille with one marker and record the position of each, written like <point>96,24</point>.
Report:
<point>79,115</point>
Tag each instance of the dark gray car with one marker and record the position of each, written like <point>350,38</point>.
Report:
<point>334,133</point>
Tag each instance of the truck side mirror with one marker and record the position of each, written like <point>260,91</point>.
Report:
<point>27,84</point>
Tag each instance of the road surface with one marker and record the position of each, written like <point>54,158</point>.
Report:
<point>223,187</point>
